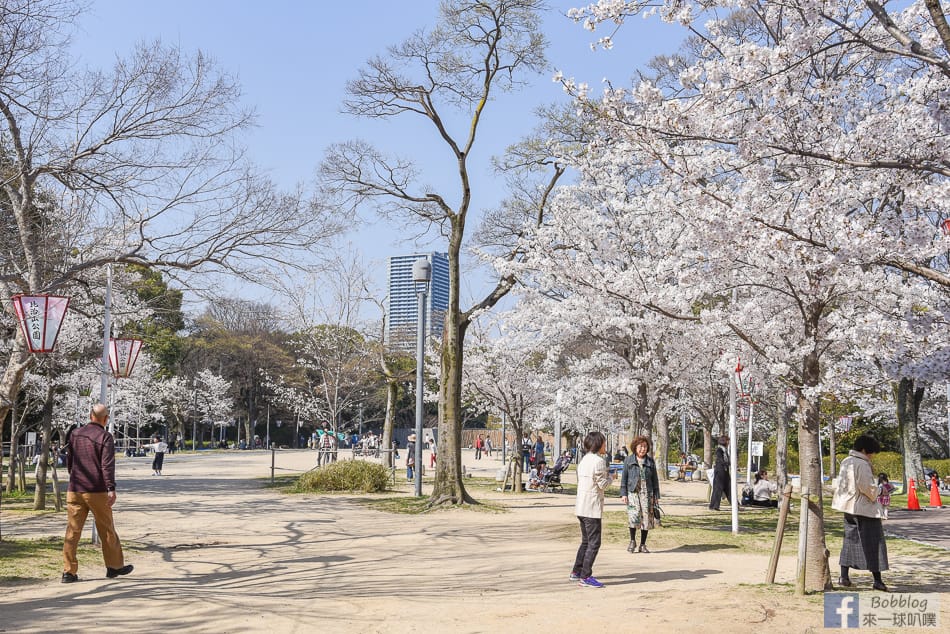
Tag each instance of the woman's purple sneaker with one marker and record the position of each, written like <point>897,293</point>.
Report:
<point>590,582</point>
<point>574,577</point>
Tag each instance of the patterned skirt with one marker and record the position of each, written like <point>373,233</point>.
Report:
<point>640,511</point>
<point>863,547</point>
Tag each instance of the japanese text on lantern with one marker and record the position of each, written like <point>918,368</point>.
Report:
<point>34,321</point>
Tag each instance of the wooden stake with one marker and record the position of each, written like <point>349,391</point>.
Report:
<point>779,533</point>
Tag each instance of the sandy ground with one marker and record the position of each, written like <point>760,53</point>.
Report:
<point>216,552</point>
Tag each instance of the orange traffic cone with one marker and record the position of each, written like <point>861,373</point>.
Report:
<point>935,493</point>
<point>912,503</point>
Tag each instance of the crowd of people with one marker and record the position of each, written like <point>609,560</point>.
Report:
<point>859,495</point>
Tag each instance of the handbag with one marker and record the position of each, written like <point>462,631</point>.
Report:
<point>657,511</point>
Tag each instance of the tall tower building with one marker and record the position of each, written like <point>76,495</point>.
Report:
<point>401,321</point>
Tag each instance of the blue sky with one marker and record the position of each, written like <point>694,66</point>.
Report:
<point>293,59</point>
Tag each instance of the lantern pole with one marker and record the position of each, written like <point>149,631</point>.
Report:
<point>421,275</point>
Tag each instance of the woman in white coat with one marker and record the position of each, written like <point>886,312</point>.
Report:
<point>863,547</point>
<point>592,478</point>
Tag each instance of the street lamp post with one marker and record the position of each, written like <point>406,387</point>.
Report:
<point>194,420</point>
<point>733,451</point>
<point>421,274</point>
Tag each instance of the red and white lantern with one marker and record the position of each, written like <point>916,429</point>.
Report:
<point>40,317</point>
<point>122,356</point>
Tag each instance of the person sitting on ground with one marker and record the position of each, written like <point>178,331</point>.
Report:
<point>536,476</point>
<point>763,490</point>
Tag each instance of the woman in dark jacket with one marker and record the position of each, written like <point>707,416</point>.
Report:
<point>640,491</point>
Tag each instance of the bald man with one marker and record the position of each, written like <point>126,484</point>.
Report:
<point>91,465</point>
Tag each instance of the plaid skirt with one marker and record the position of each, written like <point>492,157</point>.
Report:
<point>863,547</point>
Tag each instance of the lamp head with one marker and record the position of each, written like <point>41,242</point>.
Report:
<point>421,271</point>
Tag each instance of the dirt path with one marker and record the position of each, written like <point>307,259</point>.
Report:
<point>221,554</point>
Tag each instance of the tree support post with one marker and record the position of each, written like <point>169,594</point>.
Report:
<point>779,533</point>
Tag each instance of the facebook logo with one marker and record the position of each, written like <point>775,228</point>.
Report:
<point>841,610</point>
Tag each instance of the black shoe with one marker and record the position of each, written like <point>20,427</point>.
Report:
<point>69,577</point>
<point>112,573</point>
<point>632,547</point>
<point>879,585</point>
<point>844,582</point>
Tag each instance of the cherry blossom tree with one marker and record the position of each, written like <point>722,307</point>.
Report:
<point>505,374</point>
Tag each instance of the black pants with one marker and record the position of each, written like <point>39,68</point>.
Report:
<point>478,453</point>
<point>590,545</point>
<point>720,488</point>
<point>157,461</point>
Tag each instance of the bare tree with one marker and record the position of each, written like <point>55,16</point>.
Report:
<point>477,49</point>
<point>140,165</point>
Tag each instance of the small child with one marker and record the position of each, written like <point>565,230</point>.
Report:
<point>884,498</point>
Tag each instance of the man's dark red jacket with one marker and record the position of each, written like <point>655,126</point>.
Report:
<point>91,460</point>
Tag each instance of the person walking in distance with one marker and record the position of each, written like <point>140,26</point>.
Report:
<point>410,457</point>
<point>159,447</point>
<point>479,444</point>
<point>539,451</point>
<point>91,466</point>
<point>721,479</point>
<point>326,447</point>
<point>592,478</point>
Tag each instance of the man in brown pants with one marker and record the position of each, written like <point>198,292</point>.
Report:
<point>91,465</point>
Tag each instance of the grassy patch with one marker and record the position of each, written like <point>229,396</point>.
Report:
<point>402,504</point>
<point>415,506</point>
<point>704,530</point>
<point>25,561</point>
<point>22,501</point>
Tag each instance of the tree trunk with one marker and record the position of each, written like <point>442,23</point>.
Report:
<point>14,451</point>
<point>448,487</point>
<point>11,466</point>
<point>707,446</point>
<point>517,486</point>
<point>39,497</point>
<point>908,398</point>
<point>12,377</point>
<point>661,455</point>
<point>781,447</point>
<point>392,393</point>
<point>817,576</point>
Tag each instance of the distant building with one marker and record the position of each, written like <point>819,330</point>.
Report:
<point>401,320</point>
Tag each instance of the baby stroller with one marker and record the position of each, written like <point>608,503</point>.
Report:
<point>552,479</point>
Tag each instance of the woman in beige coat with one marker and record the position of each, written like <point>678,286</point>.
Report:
<point>863,547</point>
<point>592,478</point>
